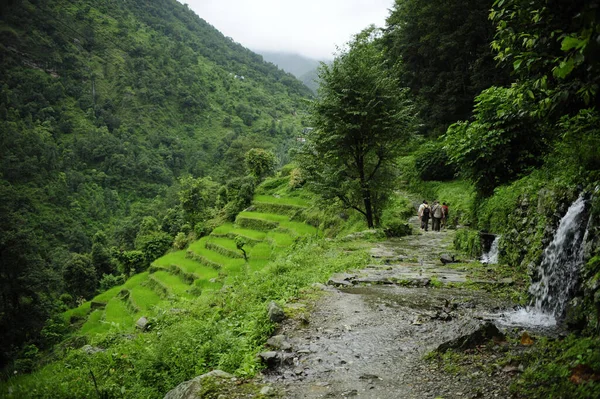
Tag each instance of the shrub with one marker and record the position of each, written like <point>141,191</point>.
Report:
<point>432,163</point>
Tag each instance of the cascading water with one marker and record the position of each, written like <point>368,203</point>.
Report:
<point>491,257</point>
<point>558,272</point>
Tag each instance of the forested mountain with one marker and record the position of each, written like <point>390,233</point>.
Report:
<point>105,108</point>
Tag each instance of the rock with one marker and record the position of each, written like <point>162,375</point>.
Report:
<point>142,323</point>
<point>342,279</point>
<point>319,286</point>
<point>276,313</point>
<point>575,317</point>
<point>472,334</point>
<point>191,389</point>
<point>445,259</point>
<point>90,350</point>
<point>279,342</point>
<point>267,391</point>
<point>270,358</point>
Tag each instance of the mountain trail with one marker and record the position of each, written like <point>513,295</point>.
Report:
<point>368,335</point>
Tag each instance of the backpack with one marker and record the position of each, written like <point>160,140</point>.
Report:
<point>438,212</point>
<point>426,211</point>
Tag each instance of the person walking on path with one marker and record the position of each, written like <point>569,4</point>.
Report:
<point>445,218</point>
<point>437,213</point>
<point>424,213</point>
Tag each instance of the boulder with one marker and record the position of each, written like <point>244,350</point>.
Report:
<point>472,334</point>
<point>279,342</point>
<point>276,313</point>
<point>142,323</point>
<point>191,389</point>
<point>270,358</point>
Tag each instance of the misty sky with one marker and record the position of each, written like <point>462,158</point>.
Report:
<point>311,28</point>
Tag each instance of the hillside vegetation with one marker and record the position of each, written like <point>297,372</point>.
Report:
<point>206,307</point>
<point>109,111</point>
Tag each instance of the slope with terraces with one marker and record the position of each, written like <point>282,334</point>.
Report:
<point>269,227</point>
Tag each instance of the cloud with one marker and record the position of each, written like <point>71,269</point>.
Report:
<point>312,28</point>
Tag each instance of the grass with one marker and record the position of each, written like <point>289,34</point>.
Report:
<point>269,199</point>
<point>280,239</point>
<point>229,229</point>
<point>144,298</point>
<point>187,265</point>
<point>224,261</point>
<point>117,314</point>
<point>175,285</point>
<point>271,217</point>
<point>94,323</point>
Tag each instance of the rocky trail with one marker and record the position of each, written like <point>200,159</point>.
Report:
<point>368,335</point>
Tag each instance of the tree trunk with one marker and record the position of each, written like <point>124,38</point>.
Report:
<point>366,192</point>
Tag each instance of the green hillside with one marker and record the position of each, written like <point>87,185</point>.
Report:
<point>106,110</point>
<point>206,307</point>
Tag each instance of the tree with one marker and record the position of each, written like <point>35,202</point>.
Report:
<point>80,276</point>
<point>502,142</point>
<point>360,119</point>
<point>553,49</point>
<point>441,51</point>
<point>259,162</point>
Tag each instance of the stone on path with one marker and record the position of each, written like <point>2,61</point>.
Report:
<point>191,389</point>
<point>472,334</point>
<point>276,313</point>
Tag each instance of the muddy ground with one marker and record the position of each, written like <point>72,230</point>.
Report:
<point>368,335</point>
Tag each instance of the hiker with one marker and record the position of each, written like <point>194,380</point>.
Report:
<point>424,213</point>
<point>437,214</point>
<point>445,219</point>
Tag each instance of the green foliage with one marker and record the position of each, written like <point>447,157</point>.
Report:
<point>109,281</point>
<point>80,276</point>
<point>469,242</point>
<point>552,49</point>
<point>494,149</point>
<point>104,107</point>
<point>440,49</point>
<point>131,262</point>
<point>432,163</point>
<point>361,120</point>
<point>259,162</point>
<point>563,368</point>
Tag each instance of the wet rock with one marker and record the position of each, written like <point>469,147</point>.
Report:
<point>142,323</point>
<point>575,318</point>
<point>276,313</point>
<point>191,389</point>
<point>279,342</point>
<point>445,259</point>
<point>270,358</point>
<point>341,280</point>
<point>471,334</point>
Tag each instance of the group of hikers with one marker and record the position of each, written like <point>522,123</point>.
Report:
<point>436,212</point>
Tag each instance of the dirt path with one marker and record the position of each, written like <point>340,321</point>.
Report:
<point>368,340</point>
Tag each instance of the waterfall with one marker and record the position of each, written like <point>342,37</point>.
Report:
<point>558,273</point>
<point>491,257</point>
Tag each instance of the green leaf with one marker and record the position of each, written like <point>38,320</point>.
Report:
<point>517,64</point>
<point>571,42</point>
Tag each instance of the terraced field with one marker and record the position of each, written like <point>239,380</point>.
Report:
<point>269,227</point>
